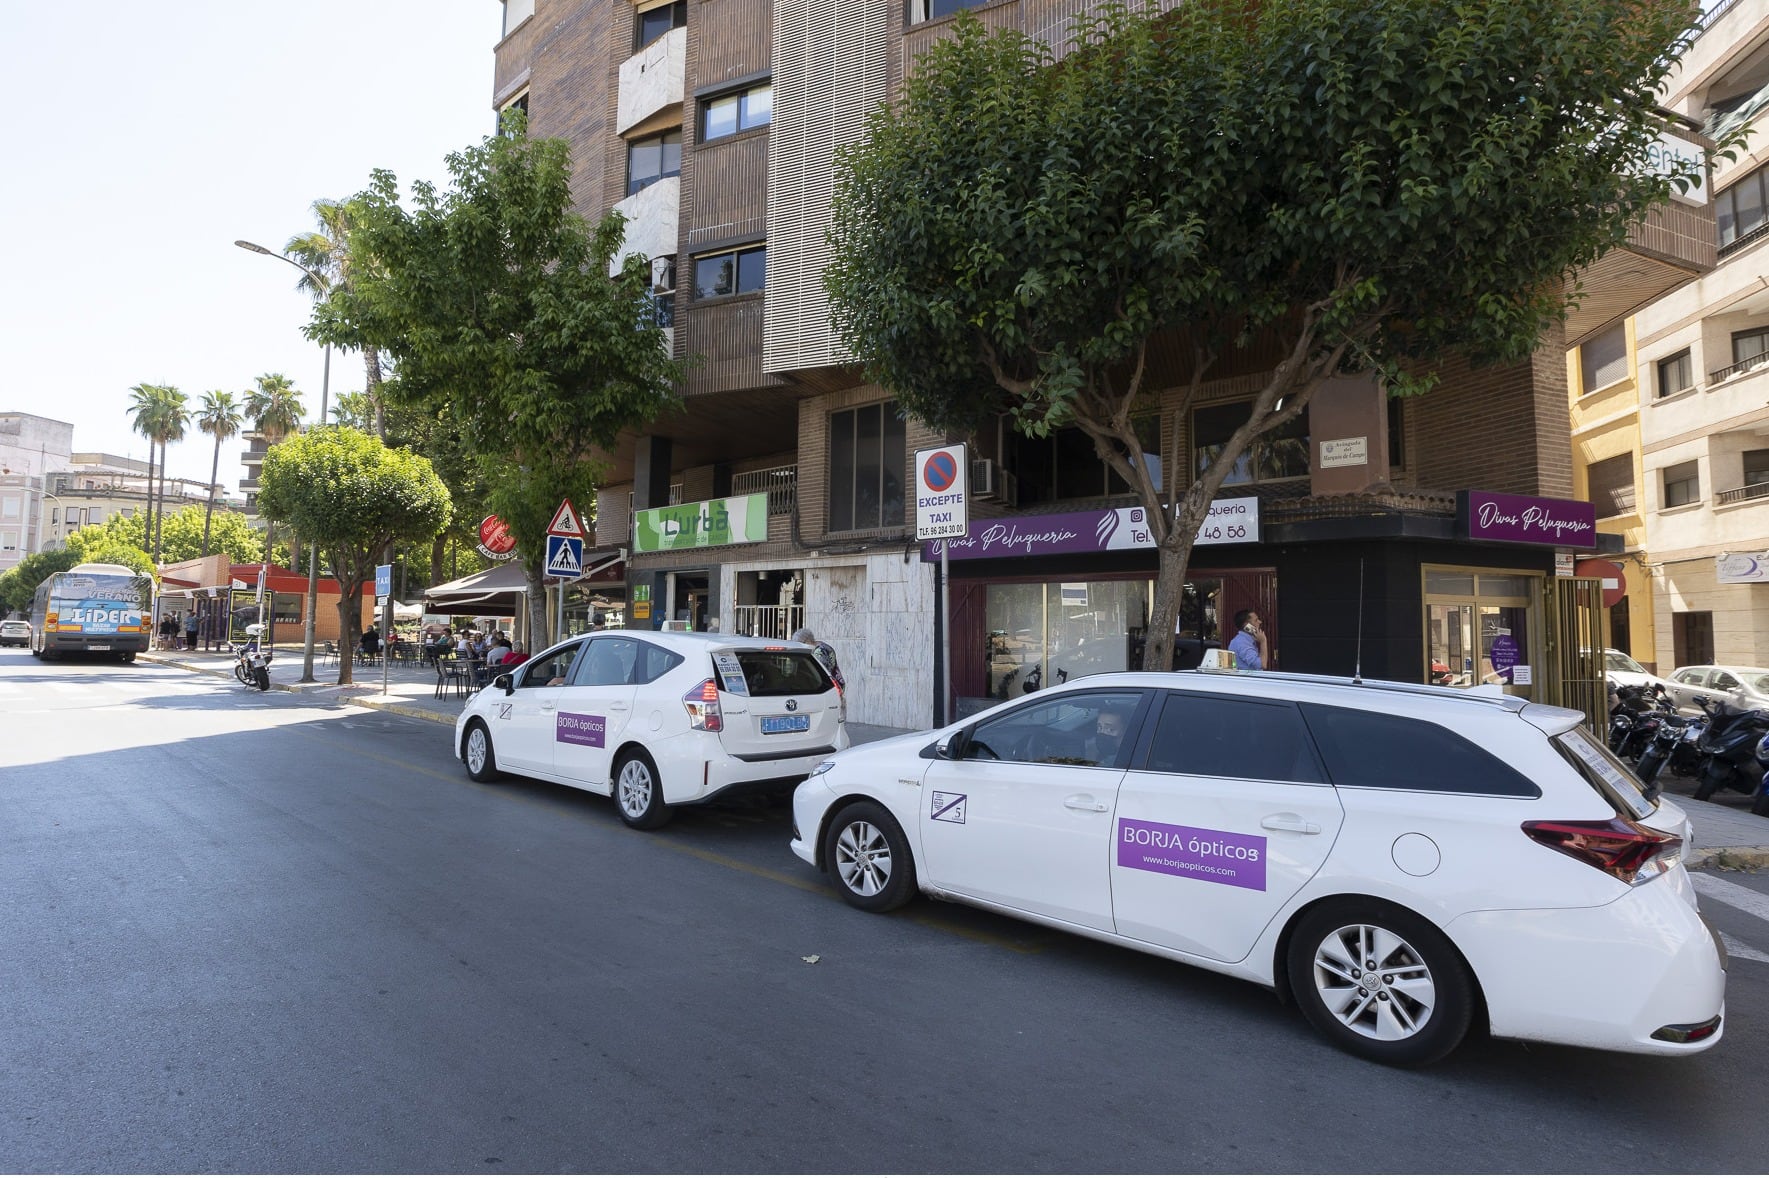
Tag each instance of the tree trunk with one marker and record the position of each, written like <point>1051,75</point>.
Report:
<point>160,517</point>
<point>349,627</point>
<point>209,508</point>
<point>438,551</point>
<point>538,628</point>
<point>371,366</point>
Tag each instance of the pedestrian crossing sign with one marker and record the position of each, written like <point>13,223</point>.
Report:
<point>565,521</point>
<point>565,556</point>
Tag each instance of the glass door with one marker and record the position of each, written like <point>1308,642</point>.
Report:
<point>1481,629</point>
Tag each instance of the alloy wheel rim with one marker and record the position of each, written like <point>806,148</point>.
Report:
<point>1374,983</point>
<point>635,788</point>
<point>863,858</point>
<point>476,749</point>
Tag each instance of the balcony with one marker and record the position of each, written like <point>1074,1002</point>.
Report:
<point>780,483</point>
<point>651,80</point>
<point>1738,369</point>
<point>1742,494</point>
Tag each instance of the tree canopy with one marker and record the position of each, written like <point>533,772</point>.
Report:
<point>182,536</point>
<point>18,584</point>
<point>353,496</point>
<point>1363,185</point>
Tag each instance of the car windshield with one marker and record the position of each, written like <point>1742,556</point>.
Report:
<point>1758,683</point>
<point>1615,660</point>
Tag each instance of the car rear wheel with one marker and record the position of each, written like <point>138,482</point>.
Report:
<point>638,794</point>
<point>477,753</point>
<point>1380,982</point>
<point>868,858</point>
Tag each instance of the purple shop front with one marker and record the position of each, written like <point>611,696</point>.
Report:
<point>1527,519</point>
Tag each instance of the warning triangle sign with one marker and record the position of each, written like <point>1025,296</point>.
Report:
<point>565,521</point>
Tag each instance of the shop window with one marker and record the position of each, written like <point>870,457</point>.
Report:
<point>655,22</point>
<point>1280,454</point>
<point>1604,360</point>
<point>738,271</point>
<point>1376,750</point>
<point>1206,736</point>
<point>1692,638</point>
<point>651,160</point>
<point>1065,465</point>
<point>1676,373</point>
<point>285,609</point>
<point>1612,486</point>
<point>1682,484</point>
<point>731,113</point>
<point>867,460</point>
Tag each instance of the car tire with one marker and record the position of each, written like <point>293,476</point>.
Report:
<point>638,791</point>
<point>1760,804</point>
<point>127,656</point>
<point>1705,786</point>
<point>867,856</point>
<point>477,753</point>
<point>1379,981</point>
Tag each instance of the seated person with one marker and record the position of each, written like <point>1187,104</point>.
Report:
<point>1108,736</point>
<point>371,641</point>
<point>498,651</point>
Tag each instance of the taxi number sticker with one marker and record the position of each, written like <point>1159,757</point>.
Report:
<point>948,808</point>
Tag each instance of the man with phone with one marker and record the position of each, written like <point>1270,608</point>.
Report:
<point>1248,644</point>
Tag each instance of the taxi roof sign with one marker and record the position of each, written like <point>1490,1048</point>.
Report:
<point>565,522</point>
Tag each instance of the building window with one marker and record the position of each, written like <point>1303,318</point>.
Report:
<point>520,102</point>
<point>1676,374</point>
<point>1692,638</point>
<point>663,290</point>
<point>731,113</point>
<point>1682,484</point>
<point>920,10</point>
<point>1612,486</point>
<point>655,22</point>
<point>737,271</point>
<point>10,506</point>
<point>1066,466</point>
<point>867,459</point>
<point>1604,360</point>
<point>1738,212</point>
<point>8,541</point>
<point>1397,433</point>
<point>1750,345</point>
<point>1756,467</point>
<point>650,160</point>
<point>1281,454</point>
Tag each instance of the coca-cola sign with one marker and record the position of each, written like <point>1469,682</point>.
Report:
<point>495,540</point>
<point>1525,519</point>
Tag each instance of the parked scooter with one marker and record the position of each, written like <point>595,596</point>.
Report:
<point>1674,744</point>
<point>1760,803</point>
<point>1729,749</point>
<point>1635,714</point>
<point>252,662</point>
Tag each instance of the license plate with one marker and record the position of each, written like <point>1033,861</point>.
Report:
<point>774,725</point>
<point>99,646</point>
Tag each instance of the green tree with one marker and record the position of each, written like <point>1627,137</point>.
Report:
<point>18,584</point>
<point>508,316</point>
<point>1356,185</point>
<point>353,497</point>
<point>159,413</point>
<point>276,411</point>
<point>330,252</point>
<point>99,548</point>
<point>220,416</point>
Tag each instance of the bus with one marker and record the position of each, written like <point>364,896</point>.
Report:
<point>103,608</point>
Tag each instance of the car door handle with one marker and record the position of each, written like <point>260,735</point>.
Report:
<point>617,707</point>
<point>1289,822</point>
<point>1085,803</point>
<point>549,707</point>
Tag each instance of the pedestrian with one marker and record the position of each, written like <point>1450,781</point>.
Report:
<point>1248,644</point>
<point>190,630</point>
<point>825,655</point>
<point>168,633</point>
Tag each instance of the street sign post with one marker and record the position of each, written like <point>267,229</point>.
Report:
<point>565,543</point>
<point>383,590</point>
<point>942,512</point>
<point>565,557</point>
<point>565,521</point>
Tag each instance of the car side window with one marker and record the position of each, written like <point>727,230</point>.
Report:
<point>607,663</point>
<point>654,663</point>
<point>1089,729</point>
<point>1724,682</point>
<point>541,671</point>
<point>1378,750</point>
<point>1232,736</point>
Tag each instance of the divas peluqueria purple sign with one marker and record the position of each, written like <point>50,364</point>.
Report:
<point>1525,519</point>
<point>1231,521</point>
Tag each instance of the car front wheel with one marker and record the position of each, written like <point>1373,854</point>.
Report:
<point>638,794</point>
<point>476,752</point>
<point>868,858</point>
<point>1380,982</point>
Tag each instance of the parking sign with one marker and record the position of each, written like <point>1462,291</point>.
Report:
<point>941,504</point>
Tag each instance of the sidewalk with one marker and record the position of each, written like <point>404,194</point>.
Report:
<point>1727,834</point>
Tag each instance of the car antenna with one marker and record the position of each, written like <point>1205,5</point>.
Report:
<point>1357,665</point>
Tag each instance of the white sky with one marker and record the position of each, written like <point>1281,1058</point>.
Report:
<point>148,136</point>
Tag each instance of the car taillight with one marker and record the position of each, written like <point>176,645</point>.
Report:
<point>703,708</point>
<point>1630,852</point>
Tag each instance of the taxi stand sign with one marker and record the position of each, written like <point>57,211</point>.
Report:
<point>942,506</point>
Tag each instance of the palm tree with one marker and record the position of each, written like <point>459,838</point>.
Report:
<point>276,412</point>
<point>326,251</point>
<point>174,418</point>
<point>144,414</point>
<point>220,417</point>
<point>158,413</point>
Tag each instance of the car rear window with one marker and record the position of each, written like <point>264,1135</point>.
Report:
<point>1608,776</point>
<point>782,672</point>
<point>1376,750</point>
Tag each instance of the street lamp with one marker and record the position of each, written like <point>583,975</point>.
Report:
<point>325,388</point>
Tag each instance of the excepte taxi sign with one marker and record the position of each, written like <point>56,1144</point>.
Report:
<point>942,506</point>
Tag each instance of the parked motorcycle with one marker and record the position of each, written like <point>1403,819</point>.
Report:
<point>1729,749</point>
<point>1635,715</point>
<point>1674,743</point>
<point>1760,803</point>
<point>251,661</point>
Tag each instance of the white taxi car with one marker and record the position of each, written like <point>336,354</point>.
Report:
<point>656,719</point>
<point>1398,860</point>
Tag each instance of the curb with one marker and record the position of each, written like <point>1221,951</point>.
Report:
<point>364,701</point>
<point>1729,858</point>
<point>398,709</point>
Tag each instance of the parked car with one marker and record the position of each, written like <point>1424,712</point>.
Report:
<point>15,633</point>
<point>1741,687</point>
<point>1624,671</point>
<point>1398,859</point>
<point>656,719</point>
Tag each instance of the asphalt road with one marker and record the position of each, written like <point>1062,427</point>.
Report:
<point>251,932</point>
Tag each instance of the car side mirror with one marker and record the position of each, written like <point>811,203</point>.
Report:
<point>952,748</point>
<point>505,682</point>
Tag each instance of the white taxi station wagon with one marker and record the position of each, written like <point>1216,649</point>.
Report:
<point>656,719</point>
<point>1400,861</point>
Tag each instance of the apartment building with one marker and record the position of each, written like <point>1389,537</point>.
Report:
<point>1701,380</point>
<point>30,447</point>
<point>1428,540</point>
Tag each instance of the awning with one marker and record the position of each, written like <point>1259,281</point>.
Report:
<point>497,590</point>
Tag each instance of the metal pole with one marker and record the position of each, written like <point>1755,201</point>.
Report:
<point>325,388</point>
<point>945,636</point>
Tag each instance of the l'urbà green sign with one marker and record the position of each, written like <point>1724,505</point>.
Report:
<point>741,519</point>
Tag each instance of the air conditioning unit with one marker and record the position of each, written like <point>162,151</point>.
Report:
<point>989,480</point>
